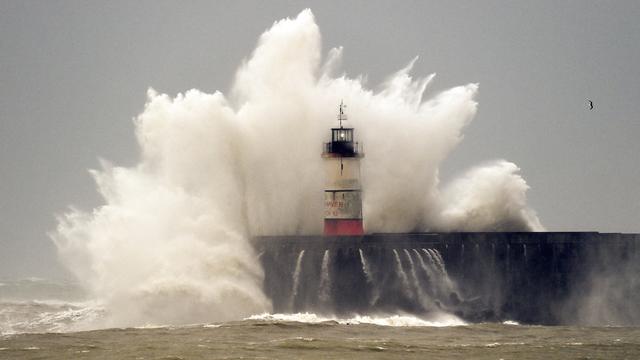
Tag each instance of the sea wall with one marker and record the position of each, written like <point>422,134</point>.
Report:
<point>536,278</point>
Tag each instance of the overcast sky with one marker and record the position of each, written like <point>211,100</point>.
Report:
<point>73,74</point>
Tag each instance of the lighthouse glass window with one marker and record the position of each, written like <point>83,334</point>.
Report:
<point>341,135</point>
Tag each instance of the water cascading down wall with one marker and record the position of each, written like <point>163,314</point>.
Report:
<point>535,278</point>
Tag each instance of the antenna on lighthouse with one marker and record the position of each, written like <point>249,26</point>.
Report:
<point>341,115</point>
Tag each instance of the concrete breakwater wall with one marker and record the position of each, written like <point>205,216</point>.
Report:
<point>536,278</point>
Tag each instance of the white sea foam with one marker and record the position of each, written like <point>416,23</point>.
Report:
<point>437,320</point>
<point>310,318</point>
<point>496,344</point>
<point>212,326</point>
<point>170,245</point>
<point>153,326</point>
<point>48,316</point>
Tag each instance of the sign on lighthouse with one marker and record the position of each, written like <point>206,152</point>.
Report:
<point>343,193</point>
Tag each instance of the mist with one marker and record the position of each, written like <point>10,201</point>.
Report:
<point>171,243</point>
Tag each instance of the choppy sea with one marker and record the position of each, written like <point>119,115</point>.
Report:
<point>33,327</point>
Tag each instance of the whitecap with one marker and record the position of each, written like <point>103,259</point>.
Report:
<point>439,320</point>
<point>310,318</point>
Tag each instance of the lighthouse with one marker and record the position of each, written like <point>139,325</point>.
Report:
<point>343,193</point>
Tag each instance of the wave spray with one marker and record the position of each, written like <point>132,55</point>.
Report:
<point>170,244</point>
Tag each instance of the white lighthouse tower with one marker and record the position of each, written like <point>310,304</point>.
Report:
<point>343,193</point>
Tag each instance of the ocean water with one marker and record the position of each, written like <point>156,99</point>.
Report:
<point>33,325</point>
<point>283,339</point>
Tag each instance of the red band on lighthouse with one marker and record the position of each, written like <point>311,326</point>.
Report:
<point>333,227</point>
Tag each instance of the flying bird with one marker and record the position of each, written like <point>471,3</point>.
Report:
<point>590,104</point>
